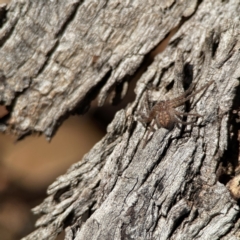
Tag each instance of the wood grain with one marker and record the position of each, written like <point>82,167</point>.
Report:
<point>168,190</point>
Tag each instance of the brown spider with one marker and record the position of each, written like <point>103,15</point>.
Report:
<point>164,113</point>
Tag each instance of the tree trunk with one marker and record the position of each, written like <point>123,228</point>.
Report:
<point>56,56</point>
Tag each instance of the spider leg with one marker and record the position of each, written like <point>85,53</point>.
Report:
<point>150,129</point>
<point>142,118</point>
<point>180,100</point>
<point>186,114</point>
<point>145,118</point>
<point>193,123</point>
<point>187,123</point>
<point>146,103</point>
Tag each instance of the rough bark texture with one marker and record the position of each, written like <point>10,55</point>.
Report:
<point>56,56</point>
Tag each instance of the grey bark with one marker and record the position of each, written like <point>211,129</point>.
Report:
<point>56,56</point>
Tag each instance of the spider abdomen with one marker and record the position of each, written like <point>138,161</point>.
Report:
<point>165,120</point>
<point>165,117</point>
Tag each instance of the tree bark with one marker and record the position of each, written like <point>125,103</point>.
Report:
<point>57,56</point>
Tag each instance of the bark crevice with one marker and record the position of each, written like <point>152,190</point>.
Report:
<point>172,187</point>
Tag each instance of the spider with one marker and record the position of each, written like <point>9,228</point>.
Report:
<point>164,113</point>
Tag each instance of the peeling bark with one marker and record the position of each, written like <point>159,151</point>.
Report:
<point>73,48</point>
<point>171,188</point>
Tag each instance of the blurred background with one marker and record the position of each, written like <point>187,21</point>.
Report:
<point>29,166</point>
